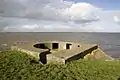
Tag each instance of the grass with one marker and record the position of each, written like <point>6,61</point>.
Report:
<point>16,65</point>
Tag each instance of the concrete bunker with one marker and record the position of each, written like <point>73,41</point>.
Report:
<point>52,46</point>
<point>59,51</point>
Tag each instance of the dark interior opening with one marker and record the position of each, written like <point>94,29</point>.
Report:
<point>78,45</point>
<point>43,56</point>
<point>68,46</point>
<point>41,45</point>
<point>54,45</point>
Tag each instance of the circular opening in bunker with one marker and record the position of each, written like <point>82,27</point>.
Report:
<point>78,45</point>
<point>40,45</point>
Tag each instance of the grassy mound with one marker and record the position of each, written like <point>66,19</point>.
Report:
<point>19,66</point>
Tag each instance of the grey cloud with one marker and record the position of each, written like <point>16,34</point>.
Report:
<point>37,9</point>
<point>84,21</point>
<point>16,13</point>
<point>117,19</point>
<point>11,8</point>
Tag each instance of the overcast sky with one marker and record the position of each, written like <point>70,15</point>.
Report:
<point>60,15</point>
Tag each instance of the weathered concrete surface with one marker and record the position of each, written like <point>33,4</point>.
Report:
<point>74,51</point>
<point>61,44</point>
<point>99,54</point>
<point>62,55</point>
<point>29,52</point>
<point>54,59</point>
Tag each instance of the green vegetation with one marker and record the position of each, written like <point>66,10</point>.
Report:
<point>16,65</point>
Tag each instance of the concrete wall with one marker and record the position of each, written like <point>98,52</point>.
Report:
<point>53,59</point>
<point>49,45</point>
<point>75,45</point>
<point>61,45</point>
<point>32,53</point>
<point>98,54</point>
<point>82,54</point>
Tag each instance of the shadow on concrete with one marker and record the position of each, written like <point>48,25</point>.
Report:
<point>43,58</point>
<point>81,55</point>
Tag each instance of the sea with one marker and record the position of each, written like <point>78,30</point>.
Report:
<point>108,42</point>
